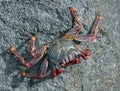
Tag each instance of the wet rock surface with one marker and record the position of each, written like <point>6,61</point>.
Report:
<point>49,20</point>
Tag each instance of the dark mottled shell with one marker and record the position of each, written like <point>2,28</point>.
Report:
<point>60,48</point>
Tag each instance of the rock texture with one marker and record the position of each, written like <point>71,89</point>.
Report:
<point>49,20</point>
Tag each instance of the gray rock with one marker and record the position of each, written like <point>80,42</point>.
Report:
<point>49,20</point>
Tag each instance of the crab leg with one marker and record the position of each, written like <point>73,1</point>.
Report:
<point>32,44</point>
<point>71,32</point>
<point>17,54</point>
<point>84,53</point>
<point>31,63</point>
<point>96,25</point>
<point>76,17</point>
<point>36,52</point>
<point>43,70</point>
<point>90,37</point>
<point>76,61</point>
<point>76,29</point>
<point>56,70</point>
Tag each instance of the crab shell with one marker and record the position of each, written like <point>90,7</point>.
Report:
<point>63,51</point>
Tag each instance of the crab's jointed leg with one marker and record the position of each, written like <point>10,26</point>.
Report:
<point>77,28</point>
<point>32,44</point>
<point>17,54</point>
<point>36,53</point>
<point>76,17</point>
<point>90,37</point>
<point>56,70</point>
<point>73,33</point>
<point>43,70</point>
<point>41,51</point>
<point>85,53</point>
<point>30,63</point>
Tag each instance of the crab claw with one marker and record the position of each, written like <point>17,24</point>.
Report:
<point>88,52</point>
<point>84,56</point>
<point>76,61</point>
<point>56,70</point>
<point>59,71</point>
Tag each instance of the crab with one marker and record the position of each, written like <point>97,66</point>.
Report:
<point>61,52</point>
